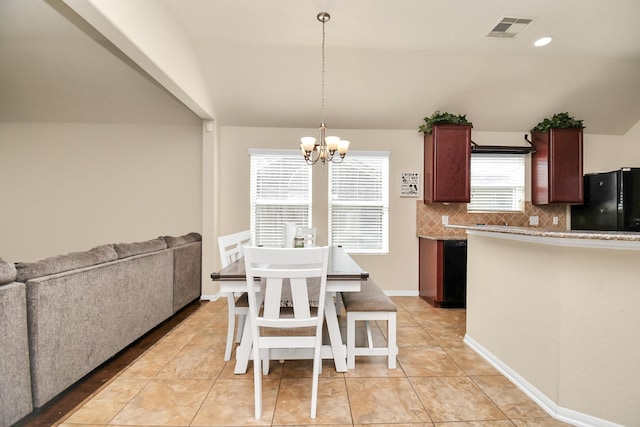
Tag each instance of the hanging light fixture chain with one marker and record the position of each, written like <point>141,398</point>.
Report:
<point>323,17</point>
<point>328,145</point>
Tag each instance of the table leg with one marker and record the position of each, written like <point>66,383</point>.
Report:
<point>243,351</point>
<point>338,349</point>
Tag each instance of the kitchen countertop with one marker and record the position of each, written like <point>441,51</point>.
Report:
<point>443,236</point>
<point>572,234</point>
<point>575,238</point>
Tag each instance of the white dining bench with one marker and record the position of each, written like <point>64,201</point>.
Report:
<point>371,303</point>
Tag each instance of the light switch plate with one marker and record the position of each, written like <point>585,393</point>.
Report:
<point>445,219</point>
<point>534,220</point>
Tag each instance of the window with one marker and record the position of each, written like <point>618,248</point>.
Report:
<point>497,183</point>
<point>359,203</point>
<point>280,192</point>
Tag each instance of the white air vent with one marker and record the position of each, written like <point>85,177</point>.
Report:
<point>509,27</point>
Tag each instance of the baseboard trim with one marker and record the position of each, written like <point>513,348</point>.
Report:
<point>558,412</point>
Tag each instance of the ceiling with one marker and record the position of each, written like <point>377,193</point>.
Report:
<point>258,62</point>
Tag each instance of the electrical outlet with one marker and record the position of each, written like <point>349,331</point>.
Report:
<point>533,220</point>
<point>555,220</point>
<point>445,219</point>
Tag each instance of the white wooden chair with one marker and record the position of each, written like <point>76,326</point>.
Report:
<point>231,249</point>
<point>274,326</point>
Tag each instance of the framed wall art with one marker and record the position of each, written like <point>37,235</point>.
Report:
<point>410,184</point>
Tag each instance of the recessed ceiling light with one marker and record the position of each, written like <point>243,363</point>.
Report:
<point>542,41</point>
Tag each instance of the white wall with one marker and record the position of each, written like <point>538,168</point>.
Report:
<point>70,187</point>
<point>395,272</point>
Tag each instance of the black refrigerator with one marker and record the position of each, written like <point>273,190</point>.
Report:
<point>611,202</point>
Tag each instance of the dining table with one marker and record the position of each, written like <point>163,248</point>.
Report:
<point>343,275</point>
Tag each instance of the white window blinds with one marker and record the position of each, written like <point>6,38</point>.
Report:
<point>497,183</point>
<point>359,203</point>
<point>280,192</point>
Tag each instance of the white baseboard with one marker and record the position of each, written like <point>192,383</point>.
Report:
<point>402,293</point>
<point>563,414</point>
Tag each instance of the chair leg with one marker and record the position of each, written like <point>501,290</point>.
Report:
<point>257,383</point>
<point>317,364</point>
<point>231,303</point>
<point>265,361</point>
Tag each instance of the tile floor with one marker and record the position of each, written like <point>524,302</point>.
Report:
<point>182,380</point>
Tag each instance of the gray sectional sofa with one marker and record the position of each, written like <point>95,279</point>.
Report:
<point>73,312</point>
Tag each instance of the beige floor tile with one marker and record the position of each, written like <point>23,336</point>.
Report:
<point>539,422</point>
<point>470,361</point>
<point>422,424</point>
<point>373,367</point>
<point>194,364</point>
<point>414,337</point>
<point>107,403</point>
<point>404,318</point>
<point>294,402</point>
<point>448,337</point>
<point>394,401</point>
<point>275,369</point>
<point>438,320</point>
<point>149,364</point>
<point>304,369</point>
<point>231,403</point>
<point>165,402</point>
<point>428,362</point>
<point>455,399</point>
<point>509,398</point>
<point>494,423</point>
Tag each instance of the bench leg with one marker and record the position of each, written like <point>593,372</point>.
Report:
<point>391,340</point>
<point>351,341</point>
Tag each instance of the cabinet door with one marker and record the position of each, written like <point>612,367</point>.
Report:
<point>556,167</point>
<point>565,166</point>
<point>447,161</point>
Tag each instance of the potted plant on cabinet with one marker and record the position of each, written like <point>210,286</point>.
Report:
<point>447,158</point>
<point>446,118</point>
<point>556,165</point>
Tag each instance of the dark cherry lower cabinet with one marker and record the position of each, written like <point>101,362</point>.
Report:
<point>447,162</point>
<point>443,272</point>
<point>556,167</point>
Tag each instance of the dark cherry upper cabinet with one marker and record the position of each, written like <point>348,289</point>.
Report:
<point>556,167</point>
<point>447,162</point>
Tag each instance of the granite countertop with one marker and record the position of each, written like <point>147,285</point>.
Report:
<point>443,236</point>
<point>562,234</point>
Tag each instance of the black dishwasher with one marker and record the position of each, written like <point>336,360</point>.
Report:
<point>454,274</point>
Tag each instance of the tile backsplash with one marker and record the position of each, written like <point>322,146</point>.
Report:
<point>429,218</point>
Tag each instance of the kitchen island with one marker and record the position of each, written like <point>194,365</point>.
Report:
<point>557,313</point>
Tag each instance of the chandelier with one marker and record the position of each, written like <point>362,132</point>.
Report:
<point>326,149</point>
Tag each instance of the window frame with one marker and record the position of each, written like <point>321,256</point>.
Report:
<point>512,184</point>
<point>279,157</point>
<point>382,204</point>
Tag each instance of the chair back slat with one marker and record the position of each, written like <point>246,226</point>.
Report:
<point>300,298</point>
<point>272,297</point>
<point>232,246</point>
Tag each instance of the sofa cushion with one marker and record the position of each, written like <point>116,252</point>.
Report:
<point>125,250</point>
<point>181,240</point>
<point>7,272</point>
<point>60,263</point>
